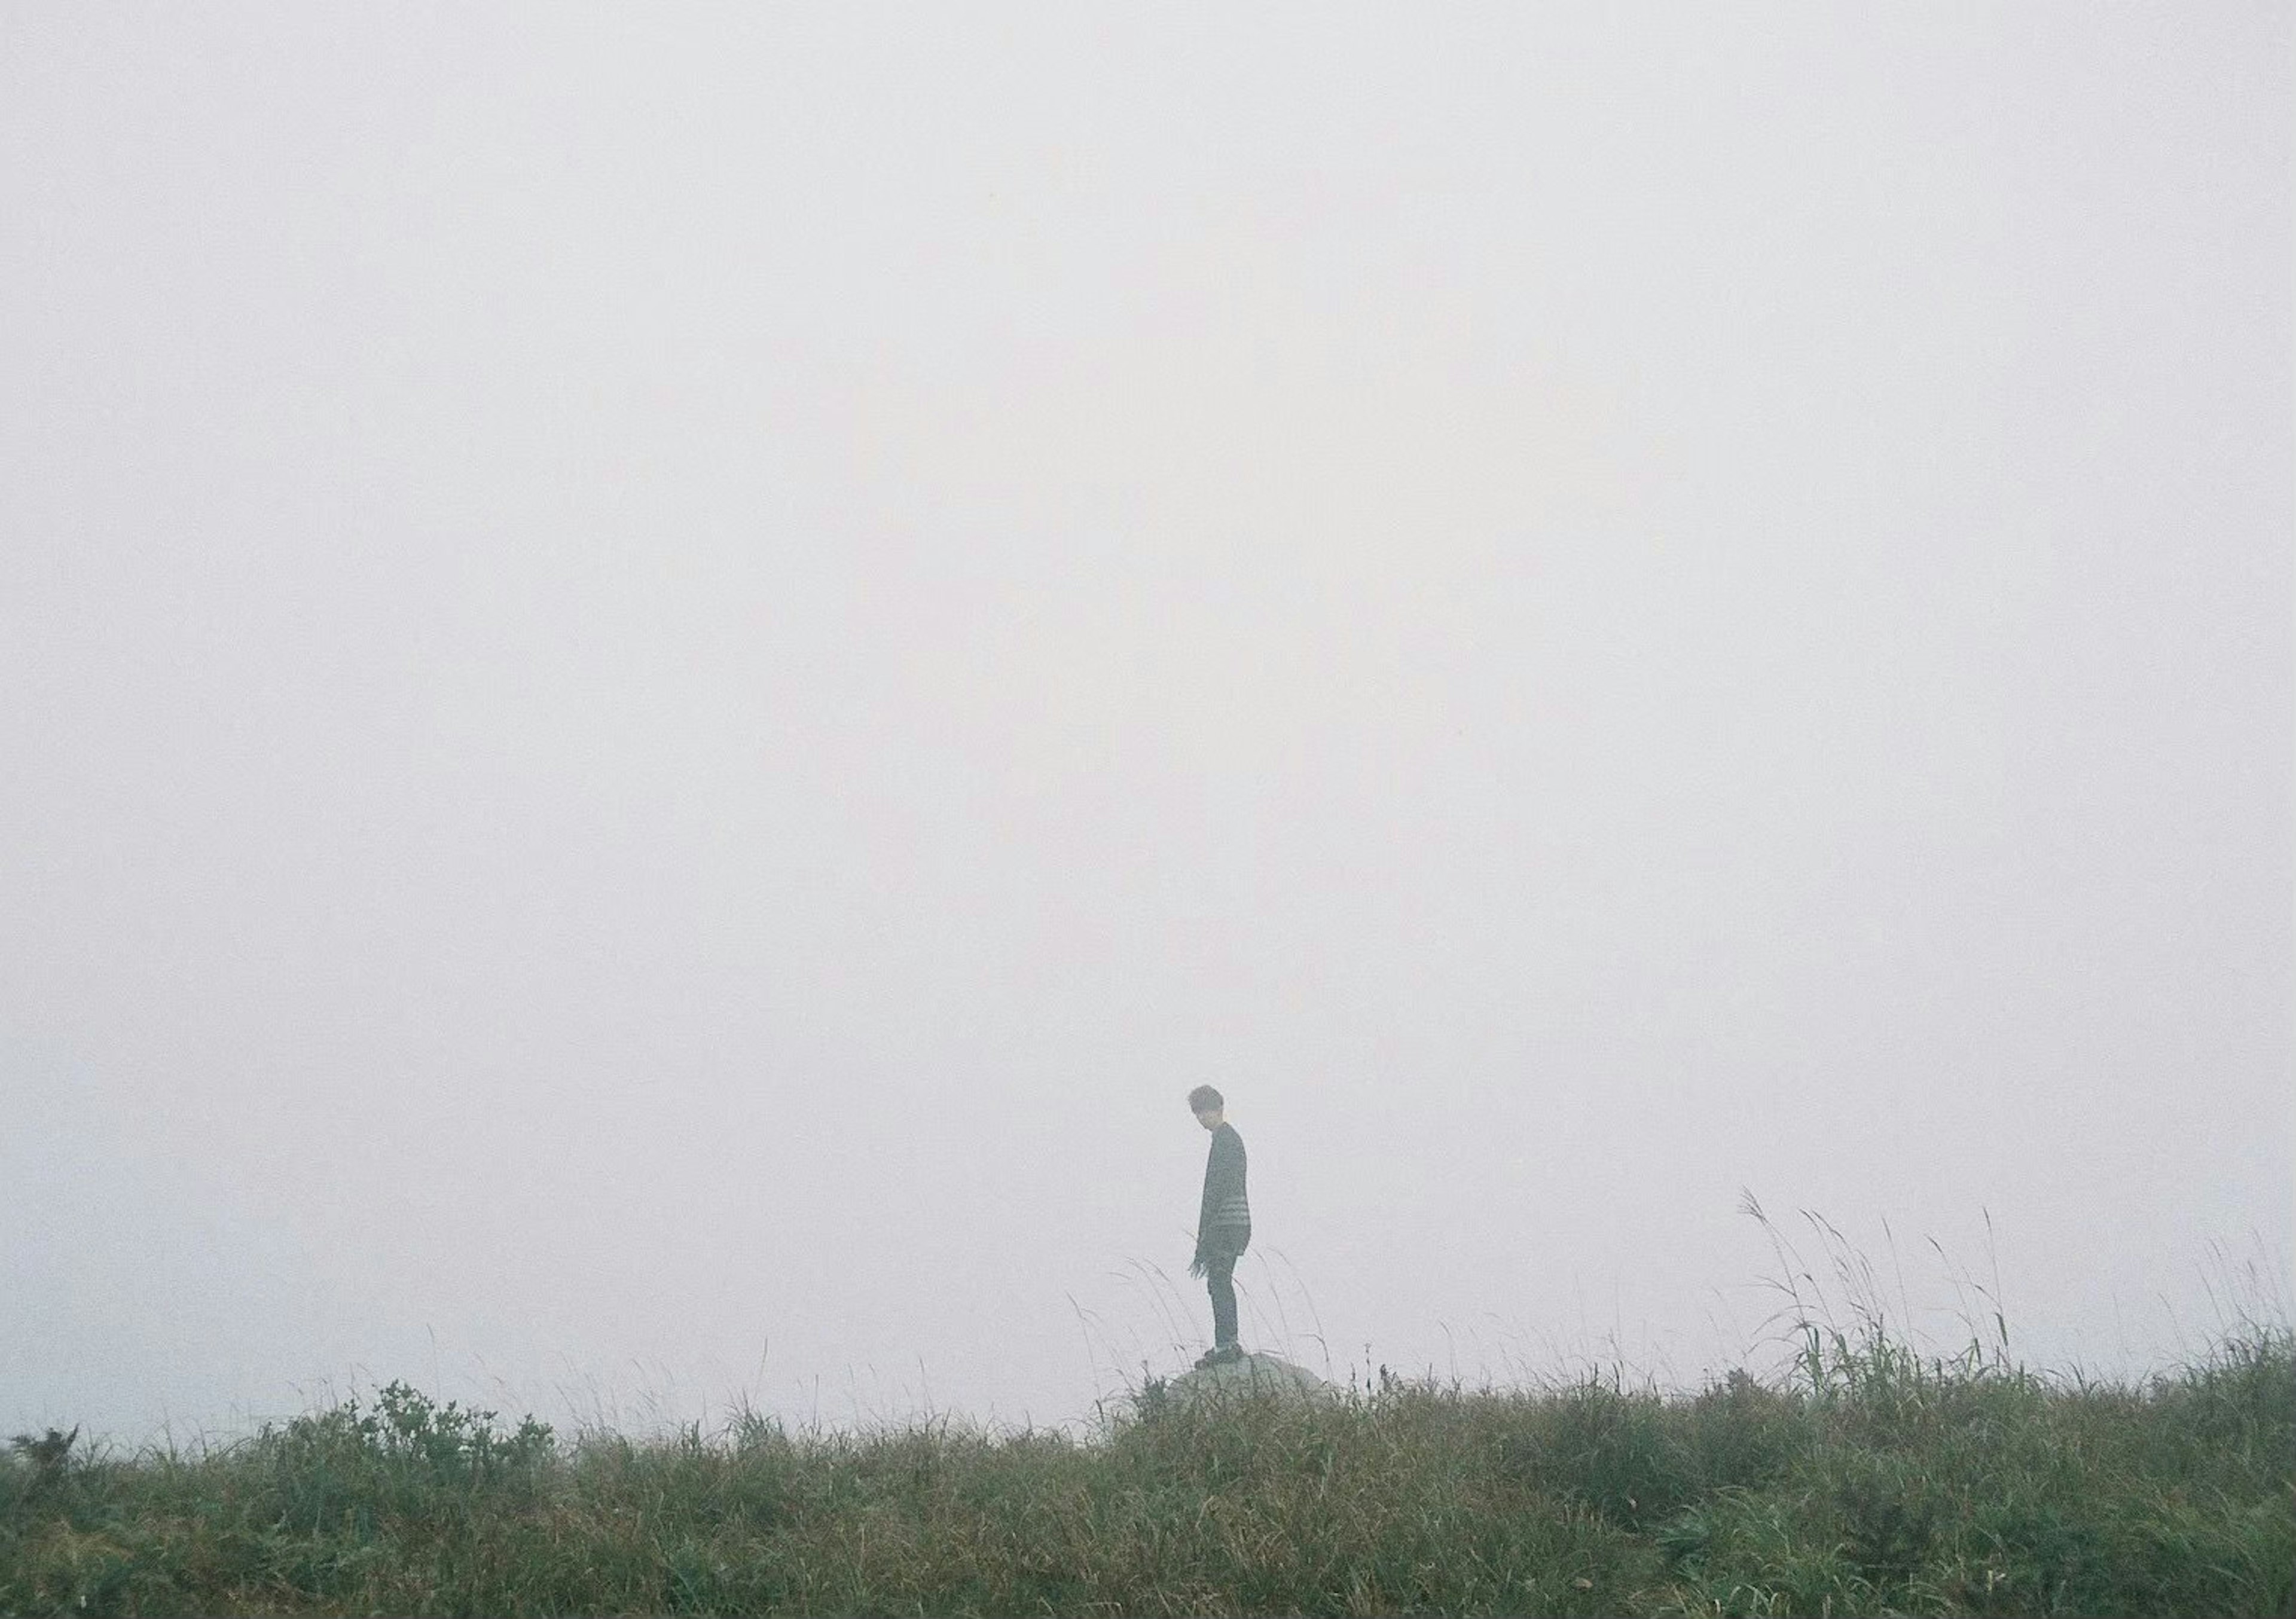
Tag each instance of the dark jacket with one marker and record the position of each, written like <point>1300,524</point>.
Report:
<point>1225,1224</point>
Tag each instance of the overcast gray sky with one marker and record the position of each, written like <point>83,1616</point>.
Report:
<point>670,672</point>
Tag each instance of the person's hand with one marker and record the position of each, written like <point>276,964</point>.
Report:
<point>1196,1265</point>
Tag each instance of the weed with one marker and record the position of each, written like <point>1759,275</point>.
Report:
<point>1869,1478</point>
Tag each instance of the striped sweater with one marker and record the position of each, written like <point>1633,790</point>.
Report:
<point>1224,1225</point>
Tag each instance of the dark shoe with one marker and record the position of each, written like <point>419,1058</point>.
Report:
<point>1206,1359</point>
<point>1223,1353</point>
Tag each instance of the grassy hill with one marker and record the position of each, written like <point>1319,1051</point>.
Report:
<point>1871,1481</point>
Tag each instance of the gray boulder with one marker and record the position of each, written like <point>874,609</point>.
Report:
<point>1252,1377</point>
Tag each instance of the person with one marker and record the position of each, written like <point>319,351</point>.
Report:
<point>1224,1227</point>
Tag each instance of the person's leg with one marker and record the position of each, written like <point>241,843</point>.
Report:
<point>1219,1276</point>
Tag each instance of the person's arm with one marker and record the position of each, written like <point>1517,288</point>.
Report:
<point>1204,1212</point>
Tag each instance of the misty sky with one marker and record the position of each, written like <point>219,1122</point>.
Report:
<point>666,674</point>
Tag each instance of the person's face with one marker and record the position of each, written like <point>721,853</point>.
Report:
<point>1210,1117</point>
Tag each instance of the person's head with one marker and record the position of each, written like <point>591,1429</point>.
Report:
<point>1209,1105</point>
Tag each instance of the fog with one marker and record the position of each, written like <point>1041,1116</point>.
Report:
<point>669,673</point>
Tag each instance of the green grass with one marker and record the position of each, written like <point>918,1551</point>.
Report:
<point>1871,1481</point>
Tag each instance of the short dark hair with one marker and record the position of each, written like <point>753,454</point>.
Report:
<point>1203,1099</point>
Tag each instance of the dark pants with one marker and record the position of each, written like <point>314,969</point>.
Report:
<point>1219,1276</point>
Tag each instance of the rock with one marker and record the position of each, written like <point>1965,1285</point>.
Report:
<point>1253,1377</point>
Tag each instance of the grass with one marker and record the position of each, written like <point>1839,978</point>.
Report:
<point>1865,1478</point>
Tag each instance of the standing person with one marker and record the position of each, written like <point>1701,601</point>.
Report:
<point>1224,1228</point>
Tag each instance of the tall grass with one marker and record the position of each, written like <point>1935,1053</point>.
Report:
<point>1863,1479</point>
